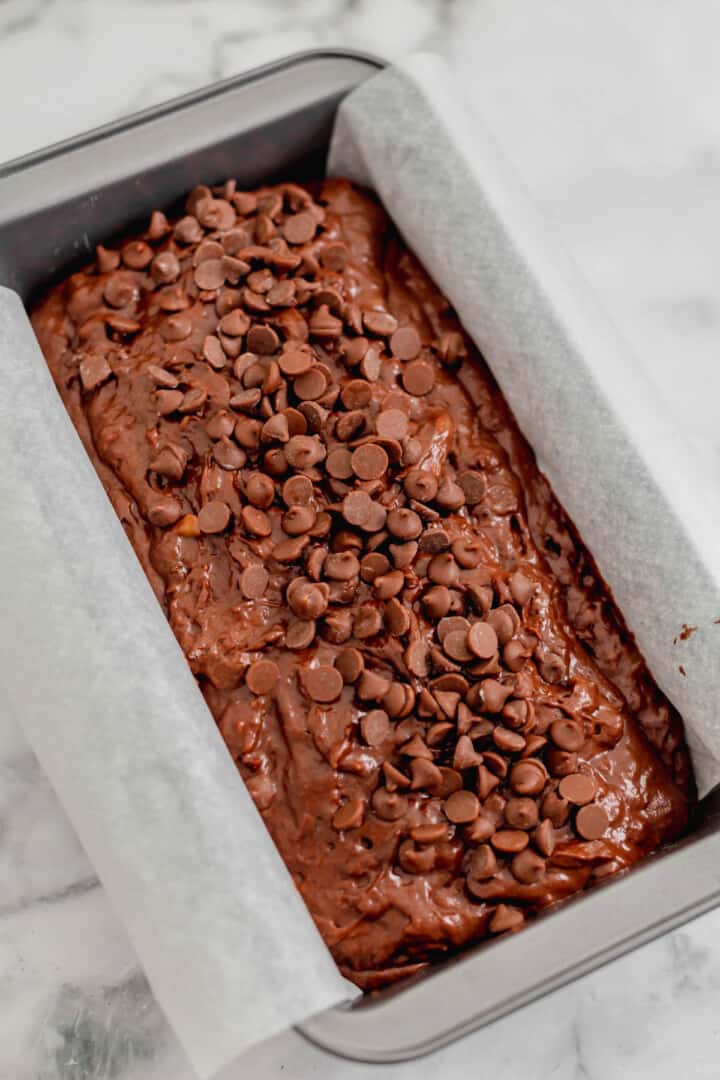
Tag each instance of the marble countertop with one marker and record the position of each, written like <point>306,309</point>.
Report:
<point>609,113</point>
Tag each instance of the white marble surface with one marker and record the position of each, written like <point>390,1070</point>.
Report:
<point>610,113</point>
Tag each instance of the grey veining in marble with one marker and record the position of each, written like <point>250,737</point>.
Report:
<point>610,114</point>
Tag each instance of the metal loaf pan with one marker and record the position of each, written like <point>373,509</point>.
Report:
<point>276,121</point>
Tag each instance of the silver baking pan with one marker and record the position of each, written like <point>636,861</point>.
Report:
<point>276,122</point>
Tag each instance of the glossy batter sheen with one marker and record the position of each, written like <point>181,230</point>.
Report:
<point>423,681</point>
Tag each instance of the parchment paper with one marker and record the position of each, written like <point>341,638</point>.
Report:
<point>620,468</point>
<point>94,674</point>
<point>93,671</point>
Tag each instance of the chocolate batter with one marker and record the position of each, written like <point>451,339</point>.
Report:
<point>410,655</point>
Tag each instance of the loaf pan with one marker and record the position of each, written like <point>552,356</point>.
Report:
<point>55,206</point>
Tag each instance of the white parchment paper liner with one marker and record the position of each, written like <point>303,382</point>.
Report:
<point>93,672</point>
<point>619,467</point>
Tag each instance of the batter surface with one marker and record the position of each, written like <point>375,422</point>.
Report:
<point>407,650</point>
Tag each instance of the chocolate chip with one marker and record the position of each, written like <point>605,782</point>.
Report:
<point>508,741</point>
<point>298,520</point>
<point>294,363</point>
<point>214,517</point>
<point>164,510</point>
<point>450,496</point>
<point>255,522</point>
<point>350,664</point>
<point>323,325</point>
<point>373,686</point>
<point>297,421</point>
<point>389,806</point>
<point>397,618</point>
<point>399,698</point>
<point>375,727</point>
<point>416,658</point>
<point>482,640</point>
<point>482,865</point>
<point>356,394</point>
<point>312,385</point>
<point>342,566</point>
<point>521,587</point>
<point>473,485</point>
<point>455,646</point>
<point>275,429</point>
<point>209,274</point>
<point>235,324</point>
<point>165,268</point>
<point>461,807</point>
<point>300,634</point>
<point>367,622</point>
<point>94,371</point>
<point>567,734</point>
<point>468,551</point>
<point>170,461</point>
<point>436,602</point>
<point>544,837</point>
<point>528,867</point>
<point>434,539</point>
<point>505,918</point>
<point>578,788</point>
<point>188,230</point>
<point>168,401</point>
<point>193,400</point>
<point>262,339</point>
<point>404,524</point>
<point>254,582</point>
<point>323,683</point>
<point>304,451</point>
<point>307,599</point>
<point>350,815</point>
<point>392,424</point>
<point>521,813</point>
<point>299,228</point>
<point>389,585</point>
<point>339,464</point>
<point>418,378</point>
<point>429,834</point>
<point>510,841</point>
<point>591,822</point>
<point>360,510</point>
<point>215,213</point>
<point>443,570</point>
<point>405,343</point>
<point>349,425</point>
<point>373,565</point>
<point>379,322</point>
<point>259,490</point>
<point>334,256</point>
<point>527,777</point>
<point>561,762</point>
<point>465,756</point>
<point>262,676</point>
<point>369,462</point>
<point>107,260</point>
<point>297,491</point>
<point>556,809</point>
<point>214,352</point>
<point>504,621</point>
<point>137,254</point>
<point>425,774</point>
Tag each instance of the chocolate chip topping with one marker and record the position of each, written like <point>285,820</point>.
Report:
<point>370,579</point>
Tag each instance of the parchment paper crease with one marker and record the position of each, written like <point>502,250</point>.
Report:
<point>95,675</point>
